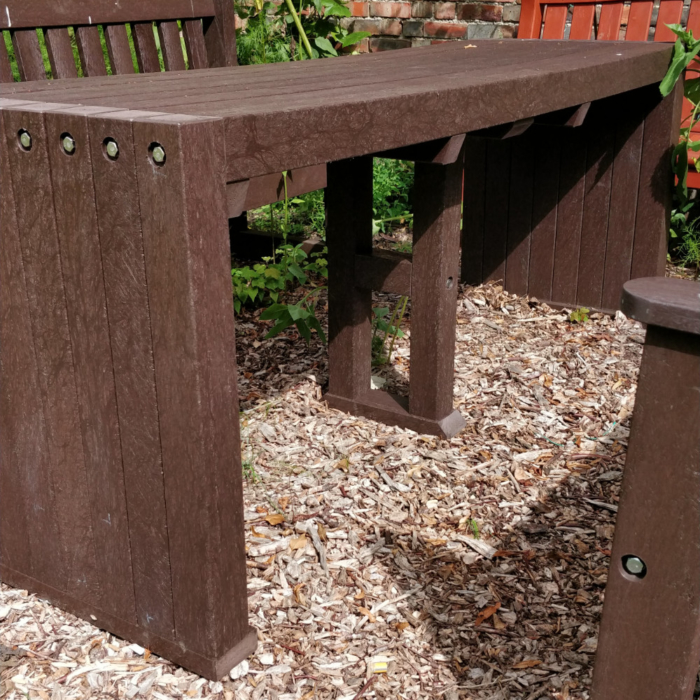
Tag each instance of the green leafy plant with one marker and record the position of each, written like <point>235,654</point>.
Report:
<point>580,315</point>
<point>302,315</point>
<point>393,183</point>
<point>683,64</point>
<point>688,250</point>
<point>391,330</point>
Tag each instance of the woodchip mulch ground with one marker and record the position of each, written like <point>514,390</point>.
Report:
<point>472,568</point>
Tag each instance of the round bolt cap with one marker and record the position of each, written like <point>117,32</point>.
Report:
<point>159,155</point>
<point>68,144</point>
<point>25,139</point>
<point>112,148</point>
<point>634,565</point>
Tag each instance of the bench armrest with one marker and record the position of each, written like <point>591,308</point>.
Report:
<point>664,302</point>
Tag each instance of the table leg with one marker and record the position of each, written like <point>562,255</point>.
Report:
<point>431,281</point>
<point>434,290</point>
<point>127,282</point>
<point>649,641</point>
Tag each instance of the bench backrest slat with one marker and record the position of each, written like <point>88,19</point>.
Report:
<point>143,35</point>
<point>547,19</point>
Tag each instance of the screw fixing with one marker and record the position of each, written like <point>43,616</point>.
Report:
<point>158,154</point>
<point>68,143</point>
<point>634,565</point>
<point>112,148</point>
<point>25,139</point>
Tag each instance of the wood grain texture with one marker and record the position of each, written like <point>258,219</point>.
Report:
<point>600,125</point>
<point>28,525</point>
<point>544,213</point>
<point>118,49</point>
<point>90,49</point>
<point>83,282</point>
<point>662,476</point>
<point>5,67</point>
<point>30,63</point>
<point>655,195</point>
<point>629,135</point>
<point>434,288</point>
<point>194,44</point>
<point>496,188</point>
<point>520,206</point>
<point>121,243</point>
<point>58,46</point>
<point>189,289</point>
<point>220,35</point>
<point>65,13</point>
<point>41,260</point>
<point>348,233</point>
<point>567,248</point>
<point>146,49</point>
<point>474,204</point>
<point>171,45</point>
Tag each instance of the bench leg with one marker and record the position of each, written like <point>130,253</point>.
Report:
<point>649,641</point>
<point>121,449</point>
<point>433,290</point>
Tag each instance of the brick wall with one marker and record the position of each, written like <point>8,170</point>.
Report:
<point>397,25</point>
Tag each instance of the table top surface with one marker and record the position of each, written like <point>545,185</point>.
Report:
<point>294,114</point>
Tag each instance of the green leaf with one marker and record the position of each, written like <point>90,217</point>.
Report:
<point>273,312</point>
<point>296,312</point>
<point>325,46</point>
<point>297,272</point>
<point>680,60</point>
<point>273,272</point>
<point>380,313</point>
<point>354,38</point>
<point>304,330</point>
<point>285,323</point>
<point>315,325</point>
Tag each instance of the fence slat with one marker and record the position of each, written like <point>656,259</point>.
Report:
<point>60,52</point>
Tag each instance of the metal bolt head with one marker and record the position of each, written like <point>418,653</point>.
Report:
<point>68,144</point>
<point>112,148</point>
<point>634,565</point>
<point>25,138</point>
<point>158,155</point>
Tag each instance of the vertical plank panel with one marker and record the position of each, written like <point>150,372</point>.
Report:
<point>572,170</point>
<point>185,229</point>
<point>474,210</point>
<point>544,212</point>
<point>60,53</point>
<point>520,214</point>
<point>47,304</point>
<point>5,67</point>
<point>639,20</point>
<point>610,21</point>
<point>582,20</point>
<point>118,49</point>
<point>195,44</point>
<point>121,242</point>
<point>171,46</point>
<point>530,20</point>
<point>29,530</point>
<point>629,136</point>
<point>348,233</point>
<point>434,288</point>
<point>90,51</point>
<point>656,186</point>
<point>83,281</point>
<point>600,126</point>
<point>670,12</point>
<point>28,54</point>
<point>496,209</point>
<point>220,35</point>
<point>146,49</point>
<point>554,21</point>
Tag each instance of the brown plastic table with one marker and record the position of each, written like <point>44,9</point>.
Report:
<point>120,481</point>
